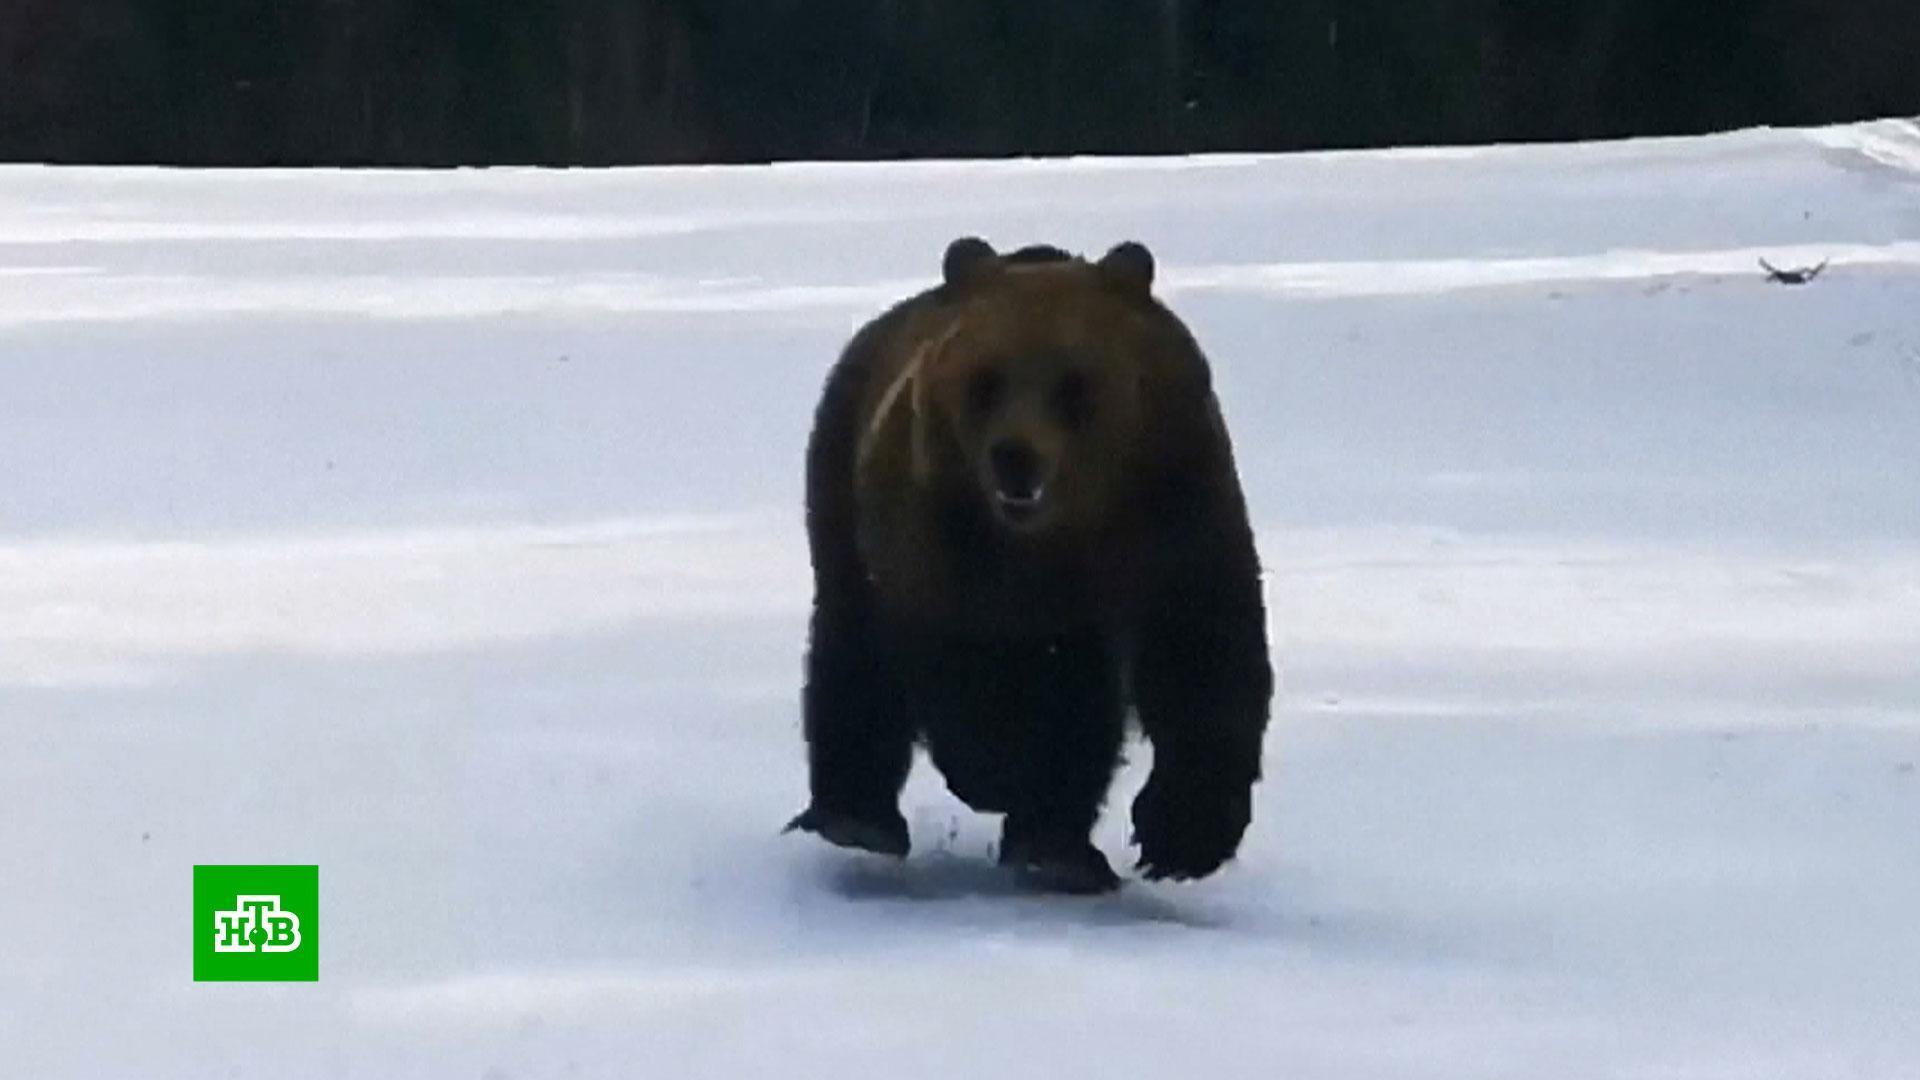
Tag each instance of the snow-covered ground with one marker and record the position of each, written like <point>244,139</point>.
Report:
<point>443,530</point>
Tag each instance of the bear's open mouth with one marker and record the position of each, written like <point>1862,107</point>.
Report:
<point>1019,508</point>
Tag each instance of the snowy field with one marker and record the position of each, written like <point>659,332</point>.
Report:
<point>443,530</point>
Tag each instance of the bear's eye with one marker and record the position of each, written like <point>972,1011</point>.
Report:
<point>984,390</point>
<point>1073,399</point>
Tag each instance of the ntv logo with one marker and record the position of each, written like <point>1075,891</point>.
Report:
<point>256,924</point>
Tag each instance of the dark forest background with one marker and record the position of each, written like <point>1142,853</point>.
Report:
<point>443,82</point>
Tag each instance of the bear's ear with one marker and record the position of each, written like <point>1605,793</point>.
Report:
<point>968,259</point>
<point>1129,266</point>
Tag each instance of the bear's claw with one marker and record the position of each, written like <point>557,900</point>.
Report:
<point>848,831</point>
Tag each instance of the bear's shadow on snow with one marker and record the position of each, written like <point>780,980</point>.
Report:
<point>948,878</point>
<point>966,889</point>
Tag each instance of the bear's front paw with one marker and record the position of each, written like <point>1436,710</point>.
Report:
<point>883,833</point>
<point>1186,830</point>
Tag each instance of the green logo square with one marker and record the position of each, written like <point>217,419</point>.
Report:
<point>256,924</point>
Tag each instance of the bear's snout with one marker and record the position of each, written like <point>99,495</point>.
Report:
<point>1019,478</point>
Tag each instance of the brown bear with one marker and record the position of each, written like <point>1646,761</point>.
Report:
<point>1025,522</point>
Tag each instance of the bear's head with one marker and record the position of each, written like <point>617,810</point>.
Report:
<point>1030,398</point>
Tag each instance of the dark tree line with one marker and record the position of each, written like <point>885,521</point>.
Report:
<point>605,81</point>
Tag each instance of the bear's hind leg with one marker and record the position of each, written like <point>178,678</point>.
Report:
<point>1075,717</point>
<point>1055,861</point>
